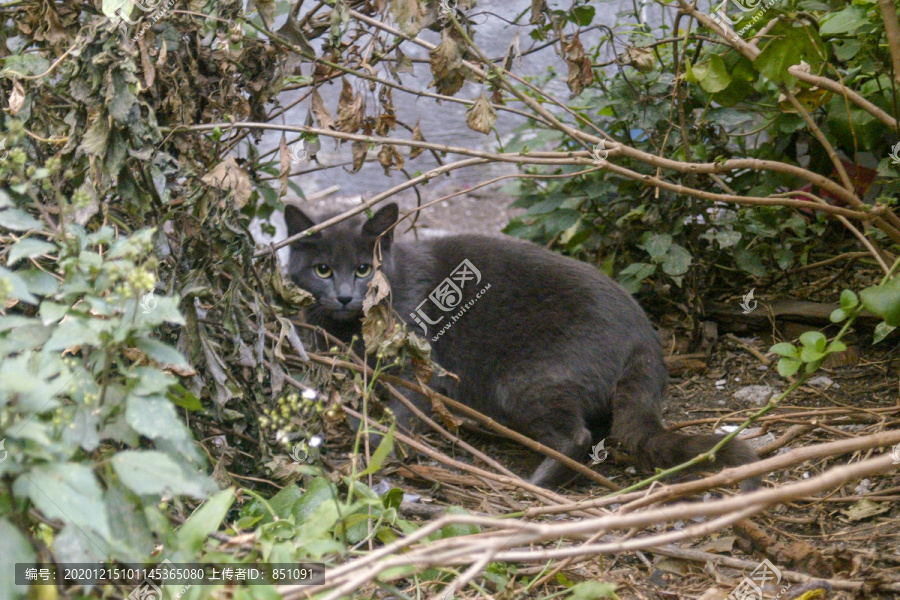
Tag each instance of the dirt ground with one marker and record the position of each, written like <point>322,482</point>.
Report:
<point>851,533</point>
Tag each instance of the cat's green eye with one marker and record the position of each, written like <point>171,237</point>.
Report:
<point>323,271</point>
<point>364,270</point>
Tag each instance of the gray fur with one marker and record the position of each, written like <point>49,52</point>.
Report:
<point>552,347</point>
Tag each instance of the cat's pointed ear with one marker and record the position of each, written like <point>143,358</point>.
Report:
<point>381,221</point>
<point>296,220</point>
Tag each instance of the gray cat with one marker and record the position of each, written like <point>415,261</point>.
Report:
<point>546,345</point>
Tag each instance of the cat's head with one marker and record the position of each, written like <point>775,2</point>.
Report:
<point>335,265</point>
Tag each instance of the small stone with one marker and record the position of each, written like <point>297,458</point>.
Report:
<point>757,394</point>
<point>820,381</point>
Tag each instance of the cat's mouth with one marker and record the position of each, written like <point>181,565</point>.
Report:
<point>345,313</point>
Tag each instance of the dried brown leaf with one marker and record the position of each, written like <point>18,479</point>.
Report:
<point>446,65</point>
<point>389,157</point>
<point>408,16</point>
<point>360,150</point>
<point>16,98</point>
<point>379,288</point>
<point>580,72</point>
<point>351,109</point>
<point>481,115</point>
<point>323,117</point>
<point>417,136</point>
<point>537,12</point>
<point>228,176</point>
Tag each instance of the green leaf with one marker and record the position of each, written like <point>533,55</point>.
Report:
<point>776,57</point>
<point>593,590</point>
<point>582,15</point>
<point>68,492</point>
<point>283,502</point>
<point>162,353</point>
<point>73,332</point>
<point>17,219</point>
<point>842,22</point>
<point>814,340</point>
<point>381,453</point>
<point>748,261</point>
<point>788,366</point>
<point>785,349</point>
<point>883,301</point>
<point>16,549</point>
<point>657,244</point>
<point>154,417</point>
<point>319,490</point>
<point>836,346</point>
<point>192,534</point>
<point>150,472</point>
<point>849,300</point>
<point>457,529</point>
<point>715,77</point>
<point>28,248</point>
<point>838,316</point>
<point>677,261</point>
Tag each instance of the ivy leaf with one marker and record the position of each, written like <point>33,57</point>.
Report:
<point>843,22</point>
<point>582,15</point>
<point>775,59</point>
<point>713,76</point>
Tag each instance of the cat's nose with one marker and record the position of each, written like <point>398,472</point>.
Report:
<point>345,300</point>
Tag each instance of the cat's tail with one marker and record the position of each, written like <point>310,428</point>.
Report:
<point>637,425</point>
<point>666,449</point>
